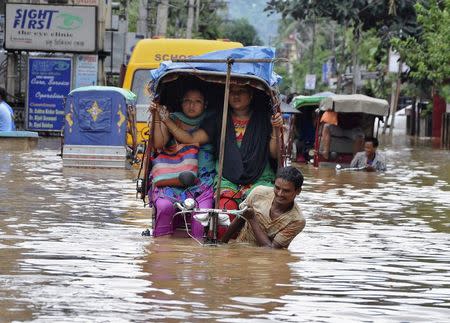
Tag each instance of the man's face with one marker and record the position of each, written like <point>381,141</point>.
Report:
<point>285,192</point>
<point>369,148</point>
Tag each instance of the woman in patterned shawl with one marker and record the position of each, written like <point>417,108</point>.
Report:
<point>193,112</point>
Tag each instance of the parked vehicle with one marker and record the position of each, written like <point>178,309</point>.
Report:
<point>303,126</point>
<point>357,112</point>
<point>98,120</point>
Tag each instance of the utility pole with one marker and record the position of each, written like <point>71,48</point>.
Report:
<point>355,60</point>
<point>394,98</point>
<point>141,27</point>
<point>197,15</point>
<point>313,45</point>
<point>161,18</point>
<point>190,18</point>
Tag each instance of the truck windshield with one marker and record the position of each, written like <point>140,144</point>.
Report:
<point>139,87</point>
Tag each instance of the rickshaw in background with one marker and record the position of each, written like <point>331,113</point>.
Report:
<point>354,112</point>
<point>303,126</point>
<point>213,73</point>
<point>98,121</point>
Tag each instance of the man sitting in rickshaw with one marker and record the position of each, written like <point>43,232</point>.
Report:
<point>346,125</point>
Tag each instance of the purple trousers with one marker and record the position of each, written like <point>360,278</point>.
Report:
<point>166,223</point>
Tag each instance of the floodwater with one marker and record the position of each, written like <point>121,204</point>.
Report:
<point>376,247</point>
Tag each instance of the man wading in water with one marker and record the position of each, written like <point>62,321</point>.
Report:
<point>272,219</point>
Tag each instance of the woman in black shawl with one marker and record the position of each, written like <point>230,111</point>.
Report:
<point>249,144</point>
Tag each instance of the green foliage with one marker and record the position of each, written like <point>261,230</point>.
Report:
<point>253,10</point>
<point>428,55</point>
<point>445,92</point>
<point>133,8</point>
<point>369,25</point>
<point>242,31</point>
<point>211,25</point>
<point>368,14</point>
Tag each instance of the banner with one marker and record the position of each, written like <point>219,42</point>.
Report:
<point>310,81</point>
<point>86,70</point>
<point>49,82</point>
<point>50,28</point>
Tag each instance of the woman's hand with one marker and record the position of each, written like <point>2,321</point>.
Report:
<point>277,120</point>
<point>162,110</point>
<point>163,113</point>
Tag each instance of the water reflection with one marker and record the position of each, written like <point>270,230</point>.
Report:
<point>375,248</point>
<point>233,280</point>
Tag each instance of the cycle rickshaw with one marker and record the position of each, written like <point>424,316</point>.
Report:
<point>214,73</point>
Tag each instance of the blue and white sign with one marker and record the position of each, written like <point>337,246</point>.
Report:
<point>86,69</point>
<point>50,28</point>
<point>49,82</point>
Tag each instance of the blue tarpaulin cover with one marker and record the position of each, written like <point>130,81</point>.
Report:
<point>96,116</point>
<point>261,70</point>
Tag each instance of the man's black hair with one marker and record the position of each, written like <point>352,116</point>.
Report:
<point>292,175</point>
<point>373,140</point>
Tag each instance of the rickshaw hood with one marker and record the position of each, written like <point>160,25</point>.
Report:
<point>356,103</point>
<point>261,70</point>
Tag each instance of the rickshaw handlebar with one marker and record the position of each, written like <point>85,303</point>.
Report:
<point>184,210</point>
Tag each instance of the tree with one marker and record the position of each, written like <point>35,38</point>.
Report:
<point>242,31</point>
<point>428,54</point>
<point>389,17</point>
<point>209,24</point>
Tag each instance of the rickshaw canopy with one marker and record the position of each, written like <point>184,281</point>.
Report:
<point>287,108</point>
<point>97,115</point>
<point>355,103</point>
<point>261,70</point>
<point>306,101</point>
<point>129,96</point>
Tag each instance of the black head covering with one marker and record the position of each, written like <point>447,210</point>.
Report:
<point>243,165</point>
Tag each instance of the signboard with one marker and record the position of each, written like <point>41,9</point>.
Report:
<point>86,70</point>
<point>49,82</point>
<point>69,2</point>
<point>310,81</point>
<point>325,72</point>
<point>50,28</point>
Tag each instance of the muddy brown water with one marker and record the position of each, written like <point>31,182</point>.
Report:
<point>376,247</point>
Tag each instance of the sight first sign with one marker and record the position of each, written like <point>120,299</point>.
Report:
<point>50,28</point>
<point>49,82</point>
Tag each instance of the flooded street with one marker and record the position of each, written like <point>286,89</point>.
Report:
<point>376,247</point>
